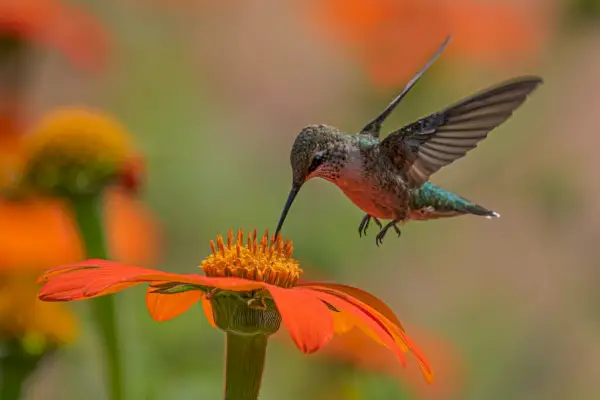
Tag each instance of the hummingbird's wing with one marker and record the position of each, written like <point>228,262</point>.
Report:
<point>373,128</point>
<point>425,146</point>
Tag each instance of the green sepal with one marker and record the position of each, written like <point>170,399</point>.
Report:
<point>176,287</point>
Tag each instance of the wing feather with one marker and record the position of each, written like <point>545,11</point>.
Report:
<point>443,137</point>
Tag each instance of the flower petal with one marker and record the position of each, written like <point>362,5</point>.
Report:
<point>88,282</point>
<point>307,319</point>
<point>374,324</point>
<point>361,295</point>
<point>372,304</point>
<point>367,322</point>
<point>423,362</point>
<point>63,269</point>
<point>163,307</point>
<point>341,322</point>
<point>70,29</point>
<point>208,312</point>
<point>94,278</point>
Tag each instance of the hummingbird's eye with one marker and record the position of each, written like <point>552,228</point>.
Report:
<point>316,161</point>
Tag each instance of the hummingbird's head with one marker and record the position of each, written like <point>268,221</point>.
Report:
<point>317,152</point>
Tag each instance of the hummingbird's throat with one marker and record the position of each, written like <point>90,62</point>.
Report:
<point>261,259</point>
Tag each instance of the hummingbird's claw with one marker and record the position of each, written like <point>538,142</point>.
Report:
<point>383,231</point>
<point>379,224</point>
<point>364,224</point>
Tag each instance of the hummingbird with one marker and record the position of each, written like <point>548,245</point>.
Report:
<point>389,178</point>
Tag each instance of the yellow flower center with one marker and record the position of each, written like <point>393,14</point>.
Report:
<point>76,150</point>
<point>79,135</point>
<point>257,260</point>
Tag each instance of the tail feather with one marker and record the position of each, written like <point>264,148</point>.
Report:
<point>432,202</point>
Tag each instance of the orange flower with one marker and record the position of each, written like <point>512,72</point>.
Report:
<point>11,155</point>
<point>35,324</point>
<point>92,142</point>
<point>77,151</point>
<point>258,279</point>
<point>55,23</point>
<point>394,38</point>
<point>132,232</point>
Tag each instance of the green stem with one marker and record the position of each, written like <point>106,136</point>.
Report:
<point>15,367</point>
<point>244,366</point>
<point>89,220</point>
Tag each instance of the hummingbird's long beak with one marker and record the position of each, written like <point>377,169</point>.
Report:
<point>288,205</point>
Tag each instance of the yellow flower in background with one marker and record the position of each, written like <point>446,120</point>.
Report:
<point>30,219</point>
<point>74,150</point>
<point>71,154</point>
<point>76,154</point>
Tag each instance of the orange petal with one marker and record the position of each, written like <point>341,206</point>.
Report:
<point>449,367</point>
<point>342,323</point>
<point>63,269</point>
<point>350,321</point>
<point>233,284</point>
<point>86,283</point>
<point>361,295</point>
<point>70,29</point>
<point>163,307</point>
<point>92,278</point>
<point>27,223</point>
<point>374,325</point>
<point>398,335</point>
<point>395,327</point>
<point>133,232</point>
<point>208,312</point>
<point>359,350</point>
<point>306,318</point>
<point>423,363</point>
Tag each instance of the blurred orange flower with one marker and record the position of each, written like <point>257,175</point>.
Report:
<point>37,325</point>
<point>351,348</point>
<point>394,38</point>
<point>38,232</point>
<point>55,23</point>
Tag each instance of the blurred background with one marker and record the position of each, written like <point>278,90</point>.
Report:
<point>215,92</point>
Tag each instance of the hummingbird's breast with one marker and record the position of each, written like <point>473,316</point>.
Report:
<point>374,190</point>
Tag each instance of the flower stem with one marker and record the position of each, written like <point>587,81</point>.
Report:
<point>88,215</point>
<point>244,366</point>
<point>15,367</point>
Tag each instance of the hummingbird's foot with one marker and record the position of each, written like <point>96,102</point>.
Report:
<point>364,224</point>
<point>383,231</point>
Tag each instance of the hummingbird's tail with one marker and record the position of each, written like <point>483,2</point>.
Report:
<point>431,202</point>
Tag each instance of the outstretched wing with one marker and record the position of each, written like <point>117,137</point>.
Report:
<point>432,142</point>
<point>373,128</point>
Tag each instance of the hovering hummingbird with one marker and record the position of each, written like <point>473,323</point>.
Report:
<point>388,179</point>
